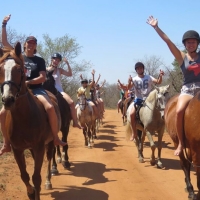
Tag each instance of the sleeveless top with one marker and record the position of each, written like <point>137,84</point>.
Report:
<point>143,86</point>
<point>191,70</point>
<point>57,78</point>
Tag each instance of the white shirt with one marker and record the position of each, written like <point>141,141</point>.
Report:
<point>143,86</point>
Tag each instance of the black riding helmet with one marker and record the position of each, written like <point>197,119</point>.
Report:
<point>191,34</point>
<point>84,81</point>
<point>139,64</point>
<point>56,55</point>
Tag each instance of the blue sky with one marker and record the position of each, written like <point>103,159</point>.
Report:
<point>113,33</point>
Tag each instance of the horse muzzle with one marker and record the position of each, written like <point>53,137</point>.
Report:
<point>8,102</point>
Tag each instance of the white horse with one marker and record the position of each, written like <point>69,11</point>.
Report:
<point>86,117</point>
<point>151,117</point>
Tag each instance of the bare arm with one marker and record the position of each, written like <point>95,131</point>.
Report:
<point>40,79</point>
<point>179,55</point>
<point>130,83</point>
<point>98,79</point>
<point>102,84</point>
<point>159,80</point>
<point>4,33</point>
<point>92,83</point>
<point>81,76</point>
<point>124,87</point>
<point>66,72</point>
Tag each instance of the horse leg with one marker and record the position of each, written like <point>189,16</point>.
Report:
<point>65,158</point>
<point>89,134</point>
<point>36,178</point>
<point>85,135</point>
<point>50,149</point>
<point>140,146</point>
<point>153,147</point>
<point>59,159</point>
<point>186,166</point>
<point>54,170</point>
<point>159,146</point>
<point>19,157</point>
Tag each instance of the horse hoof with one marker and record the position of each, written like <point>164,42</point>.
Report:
<point>89,147</point>
<point>159,166</point>
<point>152,163</point>
<point>31,196</point>
<point>141,161</point>
<point>54,172</point>
<point>66,165</point>
<point>48,186</point>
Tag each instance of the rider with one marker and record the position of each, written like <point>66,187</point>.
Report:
<point>86,88</point>
<point>143,85</point>
<point>189,63</point>
<point>98,94</point>
<point>122,94</point>
<point>36,74</point>
<point>55,61</point>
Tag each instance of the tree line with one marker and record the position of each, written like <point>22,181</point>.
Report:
<point>68,47</point>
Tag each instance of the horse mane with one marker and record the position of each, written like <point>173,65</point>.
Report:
<point>151,96</point>
<point>10,52</point>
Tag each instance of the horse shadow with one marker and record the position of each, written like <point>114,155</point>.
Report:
<point>94,175</point>
<point>108,131</point>
<point>77,193</point>
<point>107,137</point>
<point>109,126</point>
<point>106,146</point>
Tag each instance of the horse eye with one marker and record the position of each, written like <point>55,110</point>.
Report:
<point>165,93</point>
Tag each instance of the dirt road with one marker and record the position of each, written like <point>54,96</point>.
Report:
<point>108,171</point>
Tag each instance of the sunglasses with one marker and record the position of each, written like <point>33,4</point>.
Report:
<point>84,82</point>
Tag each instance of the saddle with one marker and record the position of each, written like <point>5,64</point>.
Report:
<point>138,104</point>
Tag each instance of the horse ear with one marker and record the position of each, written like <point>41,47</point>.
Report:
<point>18,49</point>
<point>1,52</point>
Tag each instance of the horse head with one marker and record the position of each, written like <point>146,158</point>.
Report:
<point>12,71</point>
<point>49,83</point>
<point>82,101</point>
<point>162,98</point>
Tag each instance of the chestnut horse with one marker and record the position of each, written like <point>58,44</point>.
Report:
<point>151,120</point>
<point>27,123</point>
<point>49,85</point>
<point>191,139</point>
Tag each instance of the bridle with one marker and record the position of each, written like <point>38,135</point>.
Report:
<point>13,83</point>
<point>83,104</point>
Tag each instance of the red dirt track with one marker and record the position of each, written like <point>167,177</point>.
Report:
<point>108,171</point>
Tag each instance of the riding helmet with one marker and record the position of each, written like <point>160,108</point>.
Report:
<point>56,55</point>
<point>139,64</point>
<point>84,81</point>
<point>190,35</point>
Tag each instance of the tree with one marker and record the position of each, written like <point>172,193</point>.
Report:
<point>70,49</point>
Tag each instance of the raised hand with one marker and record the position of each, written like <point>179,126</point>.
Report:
<point>152,21</point>
<point>65,60</point>
<point>6,19</point>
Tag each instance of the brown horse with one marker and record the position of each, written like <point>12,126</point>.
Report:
<point>27,123</point>
<point>49,85</point>
<point>191,139</point>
